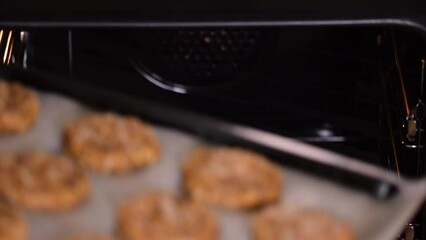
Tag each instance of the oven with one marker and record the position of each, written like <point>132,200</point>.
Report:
<point>354,86</point>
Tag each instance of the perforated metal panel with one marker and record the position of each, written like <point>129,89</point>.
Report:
<point>199,57</point>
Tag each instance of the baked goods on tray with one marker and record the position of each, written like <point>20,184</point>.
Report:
<point>41,181</point>
<point>109,143</point>
<point>295,222</point>
<point>161,216</point>
<point>19,108</point>
<point>232,177</point>
<point>12,224</point>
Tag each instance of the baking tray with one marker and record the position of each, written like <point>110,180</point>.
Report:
<point>375,201</point>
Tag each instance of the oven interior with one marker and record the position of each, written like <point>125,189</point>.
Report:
<point>335,87</point>
<point>348,89</point>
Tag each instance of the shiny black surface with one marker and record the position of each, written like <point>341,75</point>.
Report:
<point>109,13</point>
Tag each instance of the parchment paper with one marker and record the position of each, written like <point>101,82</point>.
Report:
<point>372,219</point>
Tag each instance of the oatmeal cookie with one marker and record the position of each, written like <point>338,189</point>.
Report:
<point>12,224</point>
<point>19,108</point>
<point>40,181</point>
<point>232,178</point>
<point>109,143</point>
<point>298,223</point>
<point>161,216</point>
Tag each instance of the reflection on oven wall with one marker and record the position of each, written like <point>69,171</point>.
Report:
<point>408,81</point>
<point>13,47</point>
<point>354,91</point>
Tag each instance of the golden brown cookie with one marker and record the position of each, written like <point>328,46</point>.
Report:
<point>160,216</point>
<point>91,237</point>
<point>19,108</point>
<point>41,181</point>
<point>232,177</point>
<point>298,223</point>
<point>12,224</point>
<point>109,143</point>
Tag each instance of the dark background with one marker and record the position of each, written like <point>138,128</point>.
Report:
<point>42,12</point>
